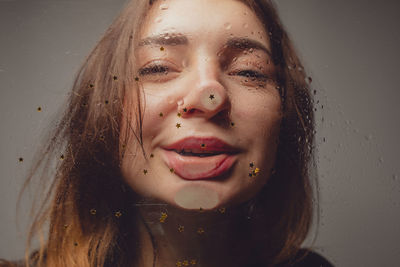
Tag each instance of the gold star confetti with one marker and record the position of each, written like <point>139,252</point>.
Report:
<point>161,114</point>
<point>171,169</point>
<point>93,211</point>
<point>211,97</point>
<point>163,217</point>
<point>178,264</point>
<point>193,262</point>
<point>200,231</point>
<point>222,210</point>
<point>118,214</point>
<point>178,125</point>
<point>151,156</point>
<point>115,78</point>
<point>185,110</point>
<point>137,79</point>
<point>185,263</point>
<point>256,171</point>
<point>21,159</point>
<point>251,164</point>
<point>39,109</point>
<point>145,171</point>
<point>232,123</point>
<point>181,228</point>
<point>179,114</point>
<point>161,48</point>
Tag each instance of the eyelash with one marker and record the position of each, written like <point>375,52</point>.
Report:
<point>154,69</point>
<point>251,74</point>
<point>162,69</point>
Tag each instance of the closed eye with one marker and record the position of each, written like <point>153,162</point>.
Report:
<point>154,69</point>
<point>250,74</point>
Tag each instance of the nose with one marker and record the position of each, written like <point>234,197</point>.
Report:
<point>206,96</point>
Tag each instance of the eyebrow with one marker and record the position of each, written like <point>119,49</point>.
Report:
<point>165,39</point>
<point>246,44</point>
<point>174,39</point>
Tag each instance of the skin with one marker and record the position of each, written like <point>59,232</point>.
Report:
<point>202,65</point>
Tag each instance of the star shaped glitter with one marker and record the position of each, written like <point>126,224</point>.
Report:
<point>178,264</point>
<point>118,214</point>
<point>163,217</point>
<point>91,85</point>
<point>211,97</point>
<point>256,171</point>
<point>250,174</point>
<point>145,171</point>
<point>179,114</point>
<point>161,114</point>
<point>93,211</point>
<point>178,125</point>
<point>251,164</point>
<point>185,263</point>
<point>193,262</point>
<point>181,228</point>
<point>185,110</point>
<point>62,157</point>
<point>222,210</point>
<point>115,78</point>
<point>200,230</point>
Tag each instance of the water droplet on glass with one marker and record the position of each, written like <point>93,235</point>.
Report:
<point>228,26</point>
<point>368,137</point>
<point>163,6</point>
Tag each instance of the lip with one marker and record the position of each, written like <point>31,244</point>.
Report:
<point>199,168</point>
<point>204,143</point>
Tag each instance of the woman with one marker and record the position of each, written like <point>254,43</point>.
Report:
<point>187,142</point>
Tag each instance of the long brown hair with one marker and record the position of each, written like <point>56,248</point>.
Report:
<point>87,201</point>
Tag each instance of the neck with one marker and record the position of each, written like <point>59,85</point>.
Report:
<point>195,238</point>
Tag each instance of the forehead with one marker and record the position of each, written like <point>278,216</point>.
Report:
<point>199,19</point>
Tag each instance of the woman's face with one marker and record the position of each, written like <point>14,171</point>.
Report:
<point>207,77</point>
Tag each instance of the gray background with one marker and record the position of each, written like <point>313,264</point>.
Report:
<point>350,49</point>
